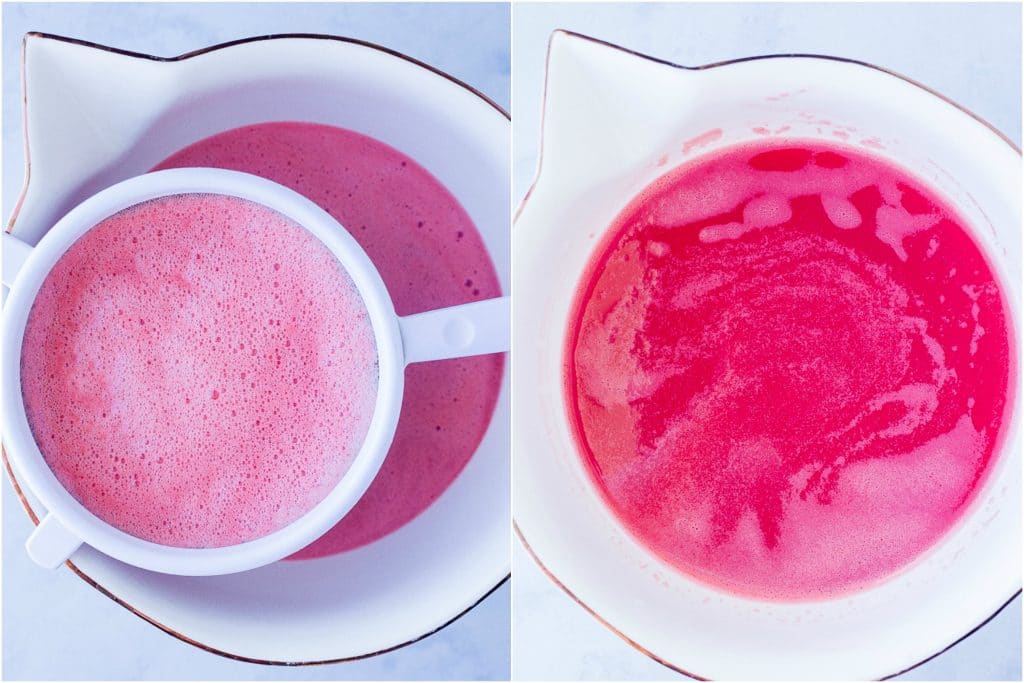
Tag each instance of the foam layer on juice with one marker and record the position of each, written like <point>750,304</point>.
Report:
<point>430,255</point>
<point>199,370</point>
<point>788,369</point>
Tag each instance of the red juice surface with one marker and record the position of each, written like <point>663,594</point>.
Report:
<point>199,370</point>
<point>429,254</point>
<point>788,369</point>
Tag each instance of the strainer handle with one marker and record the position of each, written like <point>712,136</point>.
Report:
<point>16,253</point>
<point>51,544</point>
<point>467,330</point>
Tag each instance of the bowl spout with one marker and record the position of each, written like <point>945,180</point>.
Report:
<point>79,99</point>
<point>606,109</point>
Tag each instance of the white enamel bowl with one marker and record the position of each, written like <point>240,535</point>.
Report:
<point>613,122</point>
<point>130,112</point>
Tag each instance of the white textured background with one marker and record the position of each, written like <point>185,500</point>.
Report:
<point>56,626</point>
<point>971,53</point>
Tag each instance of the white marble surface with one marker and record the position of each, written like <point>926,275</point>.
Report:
<point>971,53</point>
<point>57,627</point>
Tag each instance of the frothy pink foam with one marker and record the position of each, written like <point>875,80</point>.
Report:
<point>199,370</point>
<point>430,255</point>
<point>788,368</point>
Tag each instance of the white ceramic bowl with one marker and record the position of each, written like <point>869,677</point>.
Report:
<point>613,122</point>
<point>130,112</point>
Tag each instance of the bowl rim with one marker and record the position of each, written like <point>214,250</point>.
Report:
<point>12,220</point>
<point>533,184</point>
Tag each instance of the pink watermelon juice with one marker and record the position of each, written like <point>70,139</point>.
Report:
<point>199,370</point>
<point>430,255</point>
<point>788,369</point>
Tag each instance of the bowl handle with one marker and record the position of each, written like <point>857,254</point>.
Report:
<point>51,544</point>
<point>468,330</point>
<point>16,253</point>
